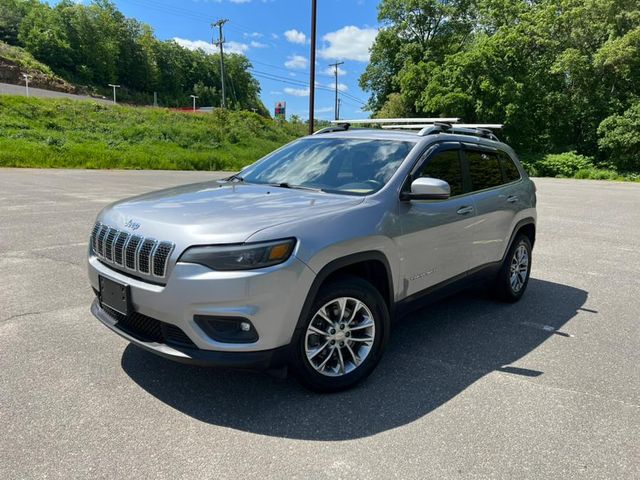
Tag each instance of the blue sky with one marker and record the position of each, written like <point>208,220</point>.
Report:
<point>274,35</point>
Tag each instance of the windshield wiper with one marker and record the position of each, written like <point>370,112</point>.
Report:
<point>235,177</point>
<point>297,187</point>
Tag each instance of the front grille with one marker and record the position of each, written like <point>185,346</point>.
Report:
<point>133,252</point>
<point>149,329</point>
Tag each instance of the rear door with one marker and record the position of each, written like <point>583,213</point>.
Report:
<point>436,236</point>
<point>496,190</point>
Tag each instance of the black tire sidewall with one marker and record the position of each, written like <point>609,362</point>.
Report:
<point>362,290</point>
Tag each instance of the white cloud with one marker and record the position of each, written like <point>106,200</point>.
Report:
<point>294,36</point>
<point>235,47</point>
<point>253,35</point>
<point>297,92</point>
<point>341,86</point>
<point>296,61</point>
<point>239,1</point>
<point>230,47</point>
<point>349,43</point>
<point>324,110</point>
<point>195,45</point>
<point>330,71</point>
<point>255,44</point>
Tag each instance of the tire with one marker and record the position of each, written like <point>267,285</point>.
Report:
<point>507,288</point>
<point>335,367</point>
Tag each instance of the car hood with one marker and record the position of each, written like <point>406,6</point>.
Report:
<point>218,212</point>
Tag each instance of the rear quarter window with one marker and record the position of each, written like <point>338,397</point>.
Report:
<point>484,169</point>
<point>509,169</point>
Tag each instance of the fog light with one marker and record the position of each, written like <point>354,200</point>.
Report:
<point>227,329</point>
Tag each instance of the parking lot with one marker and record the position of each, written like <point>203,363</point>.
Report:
<point>468,388</point>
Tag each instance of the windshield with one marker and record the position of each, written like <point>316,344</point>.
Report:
<point>337,165</point>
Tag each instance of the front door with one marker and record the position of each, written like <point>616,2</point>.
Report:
<point>436,236</point>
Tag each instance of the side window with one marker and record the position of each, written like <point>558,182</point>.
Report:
<point>445,166</point>
<point>509,169</point>
<point>484,168</point>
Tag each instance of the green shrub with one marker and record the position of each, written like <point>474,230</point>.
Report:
<point>562,164</point>
<point>620,139</point>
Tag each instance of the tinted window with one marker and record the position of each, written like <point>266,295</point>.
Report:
<point>509,169</point>
<point>484,168</point>
<point>445,166</point>
<point>349,166</point>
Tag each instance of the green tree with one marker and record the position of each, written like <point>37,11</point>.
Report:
<point>620,139</point>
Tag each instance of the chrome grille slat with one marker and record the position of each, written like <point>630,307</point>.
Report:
<point>118,248</point>
<point>161,257</point>
<point>131,252</point>
<point>131,256</point>
<point>108,243</point>
<point>100,241</point>
<point>144,256</point>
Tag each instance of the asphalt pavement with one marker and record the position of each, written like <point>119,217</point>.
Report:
<point>468,388</point>
<point>11,89</point>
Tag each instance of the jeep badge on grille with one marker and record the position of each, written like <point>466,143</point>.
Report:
<point>132,225</point>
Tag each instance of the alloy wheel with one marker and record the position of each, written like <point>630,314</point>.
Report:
<point>519,268</point>
<point>340,336</point>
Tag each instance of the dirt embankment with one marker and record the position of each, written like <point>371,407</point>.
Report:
<point>11,72</point>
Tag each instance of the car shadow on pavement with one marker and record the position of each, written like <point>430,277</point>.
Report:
<point>433,355</point>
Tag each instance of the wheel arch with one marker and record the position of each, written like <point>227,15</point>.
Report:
<point>358,264</point>
<point>526,226</point>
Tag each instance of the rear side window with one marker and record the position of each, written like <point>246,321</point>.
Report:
<point>484,169</point>
<point>509,169</point>
<point>445,166</point>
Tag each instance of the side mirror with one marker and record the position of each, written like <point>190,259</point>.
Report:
<point>426,188</point>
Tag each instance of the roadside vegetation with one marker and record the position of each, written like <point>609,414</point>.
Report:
<point>62,36</point>
<point>85,134</point>
<point>562,75</point>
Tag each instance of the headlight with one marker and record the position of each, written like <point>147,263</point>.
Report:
<point>240,257</point>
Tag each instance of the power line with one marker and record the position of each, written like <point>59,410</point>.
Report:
<point>300,83</point>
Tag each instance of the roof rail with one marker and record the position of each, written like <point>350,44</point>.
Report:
<point>382,121</point>
<point>475,129</point>
<point>418,126</point>
<point>341,127</point>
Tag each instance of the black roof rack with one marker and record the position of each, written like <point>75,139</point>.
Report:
<point>340,127</point>
<point>443,127</point>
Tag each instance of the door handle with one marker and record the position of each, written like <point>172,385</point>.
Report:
<point>465,210</point>
<point>512,198</point>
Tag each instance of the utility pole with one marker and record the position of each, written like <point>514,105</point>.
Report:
<point>194,101</point>
<point>114,91</point>
<point>312,59</point>
<point>220,23</point>
<point>27,77</point>
<point>337,107</point>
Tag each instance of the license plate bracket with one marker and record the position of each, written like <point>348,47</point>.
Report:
<point>115,296</point>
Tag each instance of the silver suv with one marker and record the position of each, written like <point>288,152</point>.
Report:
<point>305,257</point>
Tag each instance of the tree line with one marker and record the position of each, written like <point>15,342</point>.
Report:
<point>562,75</point>
<point>95,45</point>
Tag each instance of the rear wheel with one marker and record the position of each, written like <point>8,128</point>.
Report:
<point>513,277</point>
<point>342,339</point>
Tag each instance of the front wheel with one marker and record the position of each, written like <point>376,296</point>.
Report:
<point>513,276</point>
<point>342,339</point>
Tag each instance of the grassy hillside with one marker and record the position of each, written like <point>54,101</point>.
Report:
<point>77,134</point>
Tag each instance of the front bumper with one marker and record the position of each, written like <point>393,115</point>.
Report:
<point>271,298</point>
<point>260,360</point>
